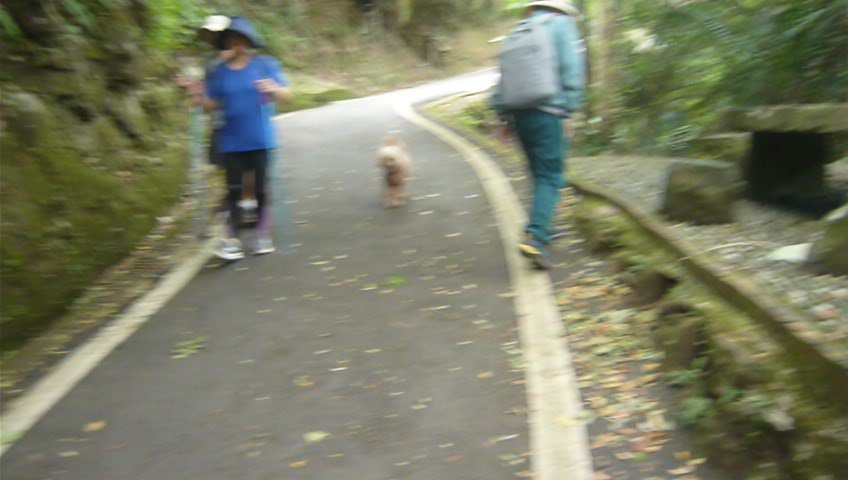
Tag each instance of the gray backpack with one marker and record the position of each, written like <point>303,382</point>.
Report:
<point>529,64</point>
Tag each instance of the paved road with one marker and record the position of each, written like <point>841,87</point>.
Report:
<point>384,347</point>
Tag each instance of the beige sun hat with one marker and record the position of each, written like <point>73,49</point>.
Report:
<point>563,6</point>
<point>216,23</point>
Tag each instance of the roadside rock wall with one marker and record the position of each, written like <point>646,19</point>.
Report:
<point>93,148</point>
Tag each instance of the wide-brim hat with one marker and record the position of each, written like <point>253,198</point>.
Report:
<point>563,6</point>
<point>243,27</point>
<point>216,23</point>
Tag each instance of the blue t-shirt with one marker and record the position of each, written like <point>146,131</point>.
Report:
<point>247,113</point>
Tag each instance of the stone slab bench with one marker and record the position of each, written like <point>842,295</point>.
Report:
<point>790,148</point>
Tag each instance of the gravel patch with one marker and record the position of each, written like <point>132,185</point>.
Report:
<point>744,246</point>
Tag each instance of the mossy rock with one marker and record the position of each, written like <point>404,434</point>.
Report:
<point>830,253</point>
<point>678,336</point>
<point>600,224</point>
<point>750,403</point>
<point>818,118</point>
<point>728,147</point>
<point>701,192</point>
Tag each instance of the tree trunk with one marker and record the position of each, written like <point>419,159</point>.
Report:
<point>605,30</point>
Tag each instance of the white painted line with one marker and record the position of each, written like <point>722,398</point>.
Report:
<point>558,438</point>
<point>28,409</point>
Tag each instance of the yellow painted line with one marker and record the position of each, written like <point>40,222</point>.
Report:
<point>558,437</point>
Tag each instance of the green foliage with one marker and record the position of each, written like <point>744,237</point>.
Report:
<point>684,378</point>
<point>695,409</point>
<point>8,26</point>
<point>173,23</point>
<point>478,116</point>
<point>304,100</point>
<point>514,4</point>
<point>80,13</point>
<point>678,65</point>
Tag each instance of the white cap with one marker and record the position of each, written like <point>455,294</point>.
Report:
<point>217,23</point>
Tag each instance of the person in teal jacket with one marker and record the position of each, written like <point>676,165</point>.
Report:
<point>540,129</point>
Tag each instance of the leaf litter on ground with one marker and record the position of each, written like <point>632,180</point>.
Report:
<point>188,348</point>
<point>618,371</point>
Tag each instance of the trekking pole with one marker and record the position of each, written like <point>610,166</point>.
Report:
<point>279,212</point>
<point>197,175</point>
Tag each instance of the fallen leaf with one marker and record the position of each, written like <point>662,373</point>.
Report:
<point>304,382</point>
<point>681,471</point>
<point>502,438</point>
<point>299,464</point>
<point>650,366</point>
<point>315,437</point>
<point>395,282</point>
<point>188,348</point>
<point>584,417</point>
<point>94,426</point>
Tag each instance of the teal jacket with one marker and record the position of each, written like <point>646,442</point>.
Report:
<point>572,68</point>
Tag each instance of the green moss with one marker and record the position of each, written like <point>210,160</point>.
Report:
<point>66,214</point>
<point>744,395</point>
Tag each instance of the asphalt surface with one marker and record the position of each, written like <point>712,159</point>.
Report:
<point>382,345</point>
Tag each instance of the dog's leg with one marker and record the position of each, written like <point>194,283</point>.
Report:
<point>396,196</point>
<point>387,196</point>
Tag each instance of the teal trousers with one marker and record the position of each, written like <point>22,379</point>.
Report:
<point>545,147</point>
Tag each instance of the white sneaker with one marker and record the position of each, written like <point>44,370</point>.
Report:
<point>264,245</point>
<point>229,249</point>
<point>248,204</point>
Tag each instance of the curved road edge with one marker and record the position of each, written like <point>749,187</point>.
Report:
<point>30,407</point>
<point>558,435</point>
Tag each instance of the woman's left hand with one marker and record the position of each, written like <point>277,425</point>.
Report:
<point>267,86</point>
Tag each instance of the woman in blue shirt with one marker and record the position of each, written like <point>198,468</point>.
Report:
<point>244,89</point>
